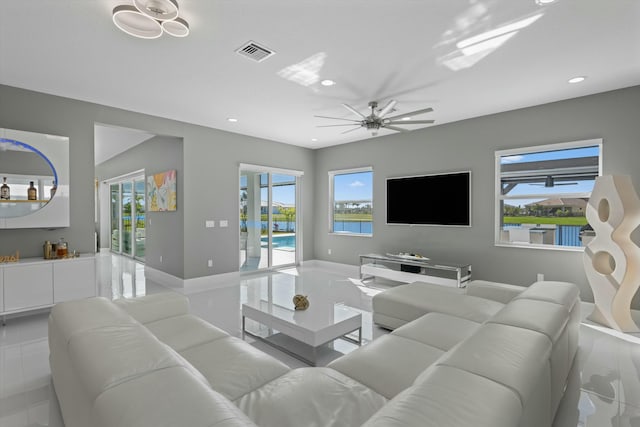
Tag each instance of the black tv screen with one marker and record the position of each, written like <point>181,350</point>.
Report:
<point>438,199</point>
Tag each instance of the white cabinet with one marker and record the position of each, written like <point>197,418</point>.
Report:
<point>74,279</point>
<point>28,285</point>
<point>33,283</point>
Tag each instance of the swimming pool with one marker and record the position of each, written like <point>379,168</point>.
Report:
<point>284,242</point>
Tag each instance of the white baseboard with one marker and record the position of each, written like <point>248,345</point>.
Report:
<point>229,279</point>
<point>348,269</point>
<point>162,278</point>
<point>194,284</point>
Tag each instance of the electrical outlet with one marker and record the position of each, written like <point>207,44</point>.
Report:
<point>160,259</point>
<point>540,277</point>
<point>210,263</point>
<point>329,251</point>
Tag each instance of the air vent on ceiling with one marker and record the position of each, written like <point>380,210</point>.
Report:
<point>253,50</point>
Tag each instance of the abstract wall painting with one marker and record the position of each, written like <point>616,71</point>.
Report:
<point>161,191</point>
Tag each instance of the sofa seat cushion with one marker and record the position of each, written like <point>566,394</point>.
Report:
<point>451,397</point>
<point>389,364</point>
<point>110,355</point>
<point>311,397</point>
<point>166,398</point>
<point>234,367</point>
<point>183,332</point>
<point>408,302</point>
<point>438,330</point>
<point>155,306</point>
<point>511,356</point>
<point>547,318</point>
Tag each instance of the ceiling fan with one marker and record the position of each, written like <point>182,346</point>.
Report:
<point>377,118</point>
<point>551,182</point>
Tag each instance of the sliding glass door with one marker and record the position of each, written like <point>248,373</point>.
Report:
<point>269,218</point>
<point>128,217</point>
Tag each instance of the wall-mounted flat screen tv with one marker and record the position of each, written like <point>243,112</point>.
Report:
<point>434,199</point>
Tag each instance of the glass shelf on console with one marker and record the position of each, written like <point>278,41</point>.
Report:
<point>412,269</point>
<point>16,208</point>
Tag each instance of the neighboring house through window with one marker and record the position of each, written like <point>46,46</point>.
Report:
<point>351,201</point>
<point>542,194</point>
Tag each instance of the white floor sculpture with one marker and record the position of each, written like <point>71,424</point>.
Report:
<point>612,259</point>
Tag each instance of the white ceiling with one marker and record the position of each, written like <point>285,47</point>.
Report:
<point>373,49</point>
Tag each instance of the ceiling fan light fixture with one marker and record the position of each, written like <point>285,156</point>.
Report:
<point>131,21</point>
<point>162,10</point>
<point>148,19</point>
<point>176,28</point>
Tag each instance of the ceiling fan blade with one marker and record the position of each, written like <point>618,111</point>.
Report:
<point>350,130</point>
<point>412,113</point>
<point>353,110</point>
<point>397,129</point>
<point>345,124</point>
<point>410,122</point>
<point>338,118</point>
<point>386,110</point>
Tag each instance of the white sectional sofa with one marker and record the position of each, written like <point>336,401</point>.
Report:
<point>148,362</point>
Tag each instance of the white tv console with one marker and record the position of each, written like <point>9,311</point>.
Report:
<point>420,269</point>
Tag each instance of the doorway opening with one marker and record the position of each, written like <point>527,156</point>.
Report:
<point>270,218</point>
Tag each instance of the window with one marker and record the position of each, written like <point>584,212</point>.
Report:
<point>542,194</point>
<point>351,201</point>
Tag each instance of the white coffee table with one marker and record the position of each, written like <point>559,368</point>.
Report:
<point>300,333</point>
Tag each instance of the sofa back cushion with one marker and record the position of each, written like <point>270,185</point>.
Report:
<point>155,306</point>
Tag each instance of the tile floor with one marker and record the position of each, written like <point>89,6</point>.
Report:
<point>604,390</point>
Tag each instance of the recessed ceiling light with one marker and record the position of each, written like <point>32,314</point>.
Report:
<point>543,2</point>
<point>314,139</point>
<point>327,82</point>
<point>406,118</point>
<point>577,79</point>
<point>232,120</point>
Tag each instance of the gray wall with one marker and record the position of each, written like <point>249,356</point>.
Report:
<point>210,185</point>
<point>470,145</point>
<point>210,177</point>
<point>164,230</point>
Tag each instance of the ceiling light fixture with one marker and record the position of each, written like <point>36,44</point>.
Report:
<point>149,19</point>
<point>578,79</point>
<point>232,119</point>
<point>543,2</point>
<point>327,82</point>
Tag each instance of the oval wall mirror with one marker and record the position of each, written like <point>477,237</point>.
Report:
<point>28,178</point>
<point>33,180</point>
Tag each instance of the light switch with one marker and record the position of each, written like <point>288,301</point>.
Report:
<point>209,223</point>
<point>224,223</point>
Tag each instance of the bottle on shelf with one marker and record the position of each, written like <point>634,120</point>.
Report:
<point>61,248</point>
<point>53,189</point>
<point>5,193</point>
<point>48,250</point>
<point>32,192</point>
